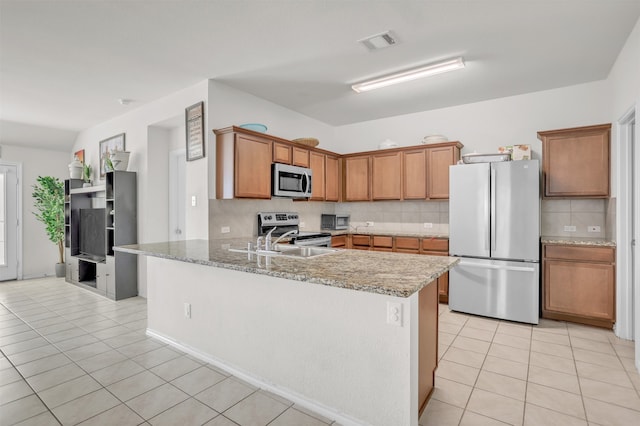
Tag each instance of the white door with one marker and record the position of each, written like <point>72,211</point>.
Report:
<point>177,195</point>
<point>8,222</point>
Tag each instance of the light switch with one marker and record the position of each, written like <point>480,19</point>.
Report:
<point>194,201</point>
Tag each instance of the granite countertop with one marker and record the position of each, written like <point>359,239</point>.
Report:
<point>578,241</point>
<point>368,231</point>
<point>393,274</point>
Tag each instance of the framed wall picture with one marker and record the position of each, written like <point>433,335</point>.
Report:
<point>194,126</point>
<point>79,155</point>
<point>109,146</point>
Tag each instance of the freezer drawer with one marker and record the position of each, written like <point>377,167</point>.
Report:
<point>495,288</point>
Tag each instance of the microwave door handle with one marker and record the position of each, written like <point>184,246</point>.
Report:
<point>305,183</point>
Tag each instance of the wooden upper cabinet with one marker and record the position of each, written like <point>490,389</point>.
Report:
<point>332,178</point>
<point>357,178</point>
<point>281,153</point>
<point>300,157</point>
<point>316,162</point>
<point>243,164</point>
<point>252,168</point>
<point>386,174</point>
<point>438,161</point>
<point>414,174</point>
<point>575,162</point>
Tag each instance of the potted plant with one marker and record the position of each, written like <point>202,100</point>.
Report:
<point>48,195</point>
<point>86,175</point>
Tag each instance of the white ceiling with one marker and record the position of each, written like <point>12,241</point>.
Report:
<point>64,64</point>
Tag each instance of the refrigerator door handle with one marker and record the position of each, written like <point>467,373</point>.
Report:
<point>505,268</point>
<point>487,216</point>
<point>493,209</point>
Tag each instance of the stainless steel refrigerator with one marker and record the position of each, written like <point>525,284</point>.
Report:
<point>494,227</point>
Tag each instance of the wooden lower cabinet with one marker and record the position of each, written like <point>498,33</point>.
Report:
<point>360,242</point>
<point>579,284</point>
<point>438,247</point>
<point>382,243</point>
<point>427,342</point>
<point>339,241</point>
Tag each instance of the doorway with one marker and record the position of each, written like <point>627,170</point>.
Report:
<point>10,212</point>
<point>177,194</point>
<point>628,231</point>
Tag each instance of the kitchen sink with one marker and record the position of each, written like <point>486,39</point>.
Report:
<point>292,251</point>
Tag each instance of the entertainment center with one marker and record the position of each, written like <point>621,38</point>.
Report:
<point>96,219</point>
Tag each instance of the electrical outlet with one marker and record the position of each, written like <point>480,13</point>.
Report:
<point>187,310</point>
<point>593,228</point>
<point>194,201</point>
<point>428,225</point>
<point>569,228</point>
<point>225,230</point>
<point>369,223</point>
<point>394,313</point>
<point>302,225</point>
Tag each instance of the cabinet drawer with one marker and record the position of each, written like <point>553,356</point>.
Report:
<point>435,244</point>
<point>338,241</point>
<point>592,254</point>
<point>380,241</point>
<point>361,240</point>
<point>407,243</point>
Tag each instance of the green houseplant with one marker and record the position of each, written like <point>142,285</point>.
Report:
<point>48,195</point>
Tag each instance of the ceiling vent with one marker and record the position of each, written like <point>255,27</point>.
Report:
<point>379,41</point>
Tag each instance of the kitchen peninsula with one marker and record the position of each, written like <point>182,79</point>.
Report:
<point>351,335</point>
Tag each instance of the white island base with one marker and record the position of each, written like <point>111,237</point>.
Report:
<point>332,350</point>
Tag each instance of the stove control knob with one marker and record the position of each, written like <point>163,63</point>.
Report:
<point>267,217</point>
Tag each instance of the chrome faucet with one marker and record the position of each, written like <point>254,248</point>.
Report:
<point>286,234</point>
<point>267,240</point>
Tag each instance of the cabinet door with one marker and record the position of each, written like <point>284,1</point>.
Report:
<point>414,174</point>
<point>111,276</point>
<point>316,162</point>
<point>252,168</point>
<point>386,182</point>
<point>576,162</point>
<point>438,162</point>
<point>580,289</point>
<point>101,278</point>
<point>357,178</point>
<point>281,153</point>
<point>332,178</point>
<point>339,241</point>
<point>427,342</point>
<point>300,157</point>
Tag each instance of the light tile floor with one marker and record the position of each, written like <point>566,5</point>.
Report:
<point>495,372</point>
<point>72,357</point>
<point>68,356</point>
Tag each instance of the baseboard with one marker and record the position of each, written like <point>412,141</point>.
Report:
<point>292,396</point>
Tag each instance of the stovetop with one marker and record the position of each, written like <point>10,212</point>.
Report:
<point>285,222</point>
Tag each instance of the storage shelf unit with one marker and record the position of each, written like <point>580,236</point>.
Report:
<point>113,274</point>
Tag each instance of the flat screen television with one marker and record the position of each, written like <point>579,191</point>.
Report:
<point>92,230</point>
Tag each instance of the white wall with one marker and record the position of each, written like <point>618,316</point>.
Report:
<point>484,126</point>
<point>135,125</point>
<point>625,75</point>
<point>38,253</point>
<point>229,106</point>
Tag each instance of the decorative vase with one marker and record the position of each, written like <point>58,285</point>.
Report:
<point>61,270</point>
<point>75,168</point>
<point>120,159</point>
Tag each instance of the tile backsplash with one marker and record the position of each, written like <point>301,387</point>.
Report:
<point>240,215</point>
<point>556,214</point>
<point>399,216</point>
<point>405,216</point>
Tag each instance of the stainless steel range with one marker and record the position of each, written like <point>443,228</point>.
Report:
<point>285,222</point>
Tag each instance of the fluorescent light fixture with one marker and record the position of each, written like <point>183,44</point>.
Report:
<point>409,75</point>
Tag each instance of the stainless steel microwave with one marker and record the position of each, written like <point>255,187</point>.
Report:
<point>290,181</point>
<point>334,221</point>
